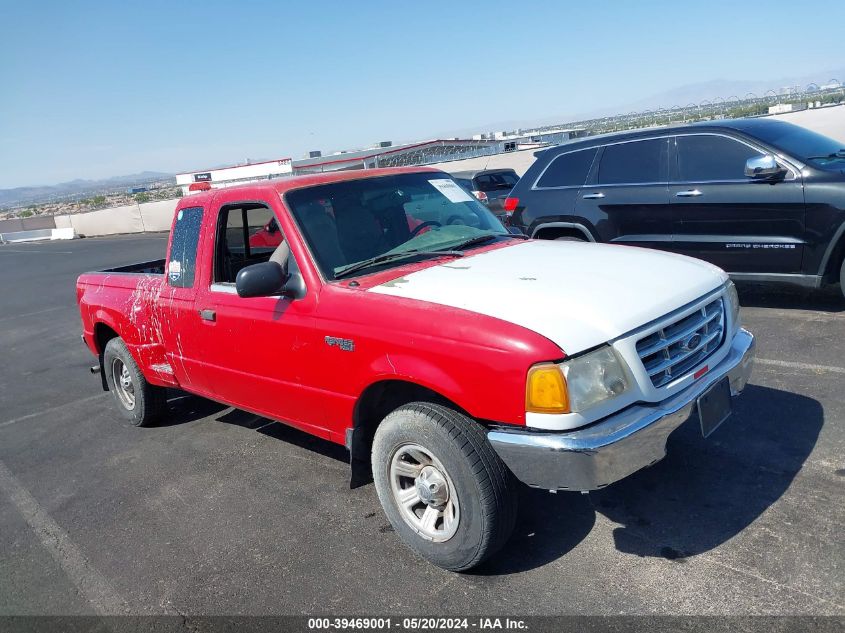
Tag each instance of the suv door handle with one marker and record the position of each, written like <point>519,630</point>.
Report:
<point>593,196</point>
<point>689,193</point>
<point>208,315</point>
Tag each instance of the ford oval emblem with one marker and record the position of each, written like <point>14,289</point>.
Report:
<point>691,342</point>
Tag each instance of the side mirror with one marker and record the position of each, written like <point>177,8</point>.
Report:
<point>261,280</point>
<point>762,167</point>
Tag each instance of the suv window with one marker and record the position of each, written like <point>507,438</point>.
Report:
<point>568,170</point>
<point>495,182</point>
<point>634,162</point>
<point>704,157</point>
<point>246,234</point>
<point>181,268</point>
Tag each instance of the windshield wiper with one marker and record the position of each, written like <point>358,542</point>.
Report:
<point>392,257</point>
<point>486,238</point>
<point>840,153</point>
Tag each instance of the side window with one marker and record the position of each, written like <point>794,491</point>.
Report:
<point>635,162</point>
<point>246,234</point>
<point>568,170</point>
<point>181,269</point>
<point>703,157</point>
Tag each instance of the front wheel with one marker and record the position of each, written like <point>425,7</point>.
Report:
<point>141,403</point>
<point>442,486</point>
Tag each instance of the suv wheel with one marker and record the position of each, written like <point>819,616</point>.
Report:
<point>442,486</point>
<point>842,278</point>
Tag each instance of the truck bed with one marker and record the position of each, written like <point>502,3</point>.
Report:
<point>152,267</point>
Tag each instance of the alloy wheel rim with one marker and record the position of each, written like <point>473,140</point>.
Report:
<point>424,493</point>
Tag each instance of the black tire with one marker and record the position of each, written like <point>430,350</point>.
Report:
<point>842,278</point>
<point>569,238</point>
<point>149,401</point>
<point>484,488</point>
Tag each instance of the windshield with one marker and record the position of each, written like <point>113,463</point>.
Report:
<point>349,222</point>
<point>817,149</point>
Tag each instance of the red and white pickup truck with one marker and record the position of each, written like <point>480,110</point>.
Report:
<point>390,311</point>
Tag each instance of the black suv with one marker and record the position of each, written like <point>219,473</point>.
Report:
<point>762,199</point>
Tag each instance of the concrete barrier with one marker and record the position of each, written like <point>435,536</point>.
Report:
<point>131,218</point>
<point>125,219</point>
<point>14,225</point>
<point>26,236</point>
<point>62,234</point>
<point>518,161</point>
<point>36,235</point>
<point>158,216</point>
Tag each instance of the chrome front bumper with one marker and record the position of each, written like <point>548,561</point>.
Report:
<point>609,450</point>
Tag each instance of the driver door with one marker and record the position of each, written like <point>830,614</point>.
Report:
<point>262,347</point>
<point>722,216</point>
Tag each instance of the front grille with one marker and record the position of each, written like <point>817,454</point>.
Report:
<point>672,351</point>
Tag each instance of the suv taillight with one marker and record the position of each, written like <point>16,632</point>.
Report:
<point>480,195</point>
<point>510,204</point>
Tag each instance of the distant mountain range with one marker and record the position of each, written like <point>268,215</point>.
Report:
<point>681,96</point>
<point>77,188</point>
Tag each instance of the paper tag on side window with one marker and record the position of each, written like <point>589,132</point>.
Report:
<point>451,190</point>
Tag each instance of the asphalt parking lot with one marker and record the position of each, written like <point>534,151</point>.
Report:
<point>221,512</point>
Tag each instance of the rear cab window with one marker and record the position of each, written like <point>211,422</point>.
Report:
<point>181,268</point>
<point>495,182</point>
<point>635,162</point>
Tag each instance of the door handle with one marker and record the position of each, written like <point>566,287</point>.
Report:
<point>593,196</point>
<point>208,315</point>
<point>689,193</point>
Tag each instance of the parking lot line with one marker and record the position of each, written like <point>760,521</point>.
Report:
<point>29,314</point>
<point>804,366</point>
<point>92,585</point>
<point>38,252</point>
<point>51,410</point>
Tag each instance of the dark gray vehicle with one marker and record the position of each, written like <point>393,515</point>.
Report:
<point>490,186</point>
<point>760,198</point>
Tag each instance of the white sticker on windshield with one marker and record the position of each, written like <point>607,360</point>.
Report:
<point>451,190</point>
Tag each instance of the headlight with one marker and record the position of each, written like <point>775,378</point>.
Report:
<point>577,384</point>
<point>733,306</point>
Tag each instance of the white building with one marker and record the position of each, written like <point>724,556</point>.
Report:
<point>780,108</point>
<point>235,175</point>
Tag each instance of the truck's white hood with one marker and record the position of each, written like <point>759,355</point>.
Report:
<point>577,295</point>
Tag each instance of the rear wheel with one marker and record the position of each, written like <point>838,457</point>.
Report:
<point>443,488</point>
<point>141,403</point>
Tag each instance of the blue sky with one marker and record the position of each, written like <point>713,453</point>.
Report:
<point>90,90</point>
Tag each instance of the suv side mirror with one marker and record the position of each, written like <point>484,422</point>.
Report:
<point>762,167</point>
<point>261,280</point>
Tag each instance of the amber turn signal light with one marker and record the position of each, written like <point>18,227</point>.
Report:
<point>545,390</point>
